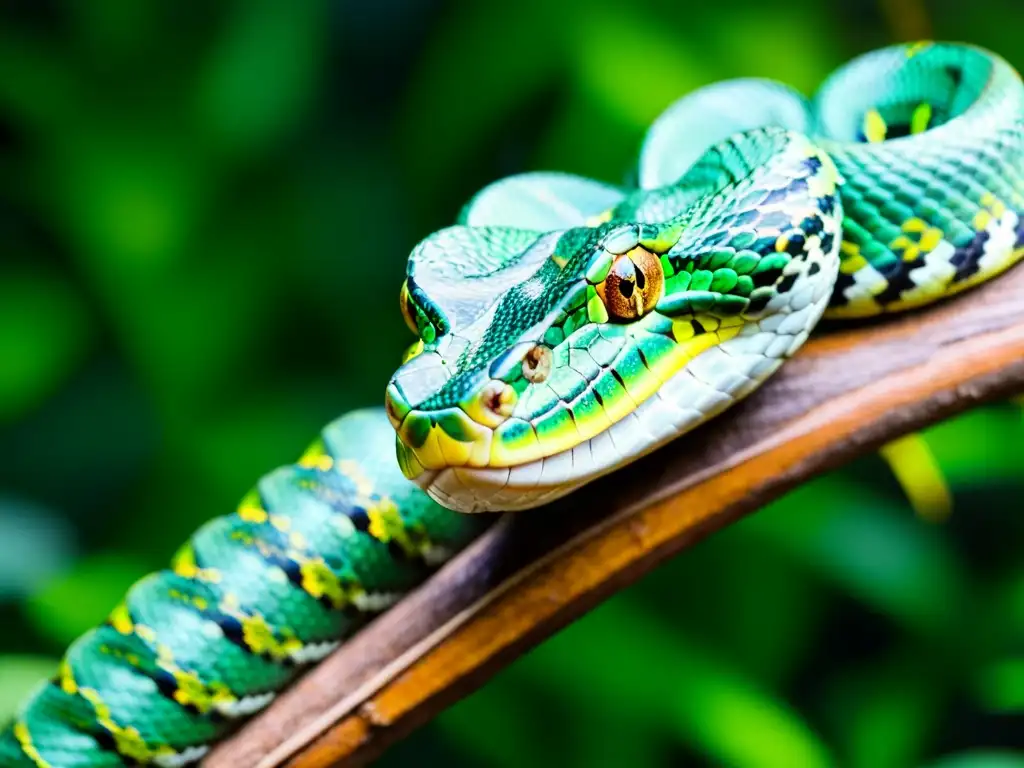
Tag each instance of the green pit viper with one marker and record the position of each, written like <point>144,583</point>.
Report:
<point>566,327</point>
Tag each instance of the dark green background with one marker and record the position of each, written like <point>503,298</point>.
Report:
<point>205,210</point>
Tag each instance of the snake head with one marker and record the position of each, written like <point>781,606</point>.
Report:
<point>489,383</point>
<point>546,359</point>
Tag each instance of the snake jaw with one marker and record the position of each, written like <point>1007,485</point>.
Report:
<point>441,439</point>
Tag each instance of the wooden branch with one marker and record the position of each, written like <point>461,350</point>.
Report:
<point>845,393</point>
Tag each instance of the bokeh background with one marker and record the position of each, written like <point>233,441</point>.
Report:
<point>205,211</point>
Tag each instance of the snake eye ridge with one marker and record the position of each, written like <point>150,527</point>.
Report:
<point>408,313</point>
<point>633,286</point>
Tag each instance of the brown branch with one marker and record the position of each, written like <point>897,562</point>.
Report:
<point>846,392</point>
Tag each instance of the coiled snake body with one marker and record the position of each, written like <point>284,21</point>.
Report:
<point>566,327</point>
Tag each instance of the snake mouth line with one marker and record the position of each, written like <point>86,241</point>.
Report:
<point>712,382</point>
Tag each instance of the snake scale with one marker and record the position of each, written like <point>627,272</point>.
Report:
<point>565,328</point>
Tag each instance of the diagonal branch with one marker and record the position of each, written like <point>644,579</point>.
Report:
<point>845,393</point>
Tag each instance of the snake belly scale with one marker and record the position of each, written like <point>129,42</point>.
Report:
<point>565,327</point>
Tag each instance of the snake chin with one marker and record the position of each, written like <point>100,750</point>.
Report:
<point>472,490</point>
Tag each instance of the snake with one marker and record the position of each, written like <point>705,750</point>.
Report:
<point>565,327</point>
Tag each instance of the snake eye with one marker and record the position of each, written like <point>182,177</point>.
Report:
<point>537,364</point>
<point>633,285</point>
<point>405,303</point>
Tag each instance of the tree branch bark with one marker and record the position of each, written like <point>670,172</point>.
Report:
<point>848,391</point>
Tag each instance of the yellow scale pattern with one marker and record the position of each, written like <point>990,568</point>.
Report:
<point>505,451</point>
<point>260,638</point>
<point>24,737</point>
<point>502,450</point>
<point>927,238</point>
<point>127,740</point>
<point>191,690</point>
<point>918,239</point>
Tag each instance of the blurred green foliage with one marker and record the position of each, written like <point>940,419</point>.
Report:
<point>205,218</point>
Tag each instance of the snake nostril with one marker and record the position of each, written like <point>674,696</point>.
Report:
<point>499,398</point>
<point>491,405</point>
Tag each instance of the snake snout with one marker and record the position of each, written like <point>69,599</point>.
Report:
<point>414,384</point>
<point>438,428</point>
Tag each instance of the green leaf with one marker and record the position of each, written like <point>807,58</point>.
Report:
<point>469,82</point>
<point>581,139</point>
<point>971,448</point>
<point>760,610</point>
<point>1000,686</point>
<point>263,73</point>
<point>81,598</point>
<point>129,199</point>
<point>201,328</point>
<point>119,32</point>
<point>1003,612</point>
<point>626,661</point>
<point>887,711</point>
<point>633,63</point>
<point>43,96</point>
<point>498,726</point>
<point>262,431</point>
<point>871,547</point>
<point>44,335</point>
<point>34,545</point>
<point>19,676</point>
<point>812,43</point>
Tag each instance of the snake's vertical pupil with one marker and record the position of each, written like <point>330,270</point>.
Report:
<point>633,285</point>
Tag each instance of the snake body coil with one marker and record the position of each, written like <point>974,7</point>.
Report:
<point>566,327</point>
<point>916,154</point>
<point>314,551</point>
